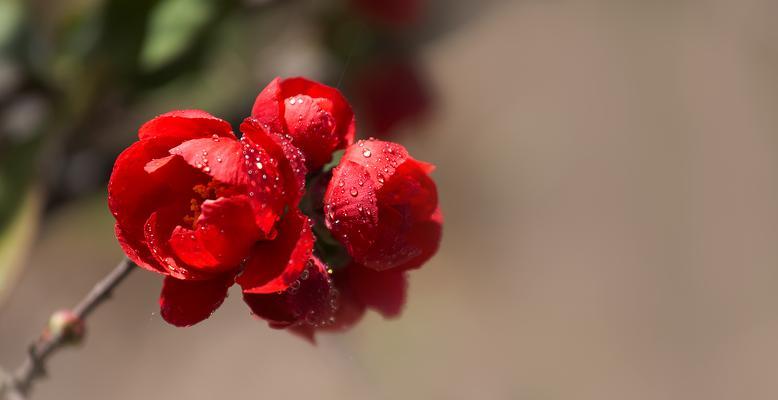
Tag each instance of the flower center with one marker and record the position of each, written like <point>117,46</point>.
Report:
<point>210,191</point>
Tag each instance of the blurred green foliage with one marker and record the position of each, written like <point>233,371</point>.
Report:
<point>63,65</point>
<point>17,238</point>
<point>172,28</point>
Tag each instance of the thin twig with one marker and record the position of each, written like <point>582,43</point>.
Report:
<point>33,367</point>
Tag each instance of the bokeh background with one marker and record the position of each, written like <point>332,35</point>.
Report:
<point>608,171</point>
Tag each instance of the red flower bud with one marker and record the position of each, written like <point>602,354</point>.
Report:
<point>383,206</point>
<point>310,300</point>
<point>316,117</point>
<point>67,325</point>
<point>358,289</point>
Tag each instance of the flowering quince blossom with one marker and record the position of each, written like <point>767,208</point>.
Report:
<point>383,206</point>
<point>207,209</point>
<point>394,13</point>
<point>392,93</point>
<point>316,117</point>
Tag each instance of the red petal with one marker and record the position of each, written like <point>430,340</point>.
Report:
<point>133,194</point>
<point>322,123</point>
<point>185,303</point>
<point>267,107</point>
<point>350,309</point>
<point>426,237</point>
<point>181,125</point>
<point>154,165</point>
<point>410,220</point>
<point>340,109</point>
<point>400,230</point>
<point>138,252</point>
<point>336,105</point>
<point>380,158</point>
<point>193,250</point>
<point>249,167</point>
<point>223,234</point>
<point>309,300</point>
<point>350,207</point>
<point>410,187</point>
<point>158,229</point>
<point>402,243</point>
<point>274,265</point>
<point>287,158</point>
<point>219,158</point>
<point>311,129</point>
<point>346,316</point>
<point>383,291</point>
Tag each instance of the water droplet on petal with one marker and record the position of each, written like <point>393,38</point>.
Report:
<point>354,192</point>
<point>366,153</point>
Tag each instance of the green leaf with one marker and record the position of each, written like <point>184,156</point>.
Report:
<point>10,17</point>
<point>173,26</point>
<point>336,156</point>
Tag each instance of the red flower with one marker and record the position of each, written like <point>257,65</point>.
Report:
<point>192,202</point>
<point>356,289</point>
<point>383,207</point>
<point>316,117</point>
<point>206,210</point>
<point>395,13</point>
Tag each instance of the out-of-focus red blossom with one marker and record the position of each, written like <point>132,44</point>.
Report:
<point>383,207</point>
<point>206,210</point>
<point>356,289</point>
<point>393,13</point>
<point>391,93</point>
<point>310,298</point>
<point>316,117</point>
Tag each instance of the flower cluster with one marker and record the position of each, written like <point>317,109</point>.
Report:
<point>311,247</point>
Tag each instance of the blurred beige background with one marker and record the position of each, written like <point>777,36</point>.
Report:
<point>609,175</point>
